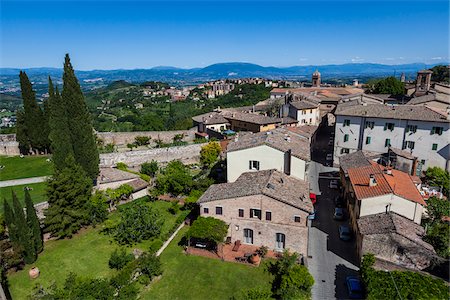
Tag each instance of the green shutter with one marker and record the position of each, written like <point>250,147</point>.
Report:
<point>434,147</point>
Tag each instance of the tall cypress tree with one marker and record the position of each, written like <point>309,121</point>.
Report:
<point>33,116</point>
<point>23,232</point>
<point>61,142</point>
<point>68,196</point>
<point>33,224</point>
<point>46,124</point>
<point>22,133</point>
<point>82,133</point>
<point>9,221</point>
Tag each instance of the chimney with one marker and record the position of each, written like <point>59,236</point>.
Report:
<point>372,180</point>
<point>388,171</point>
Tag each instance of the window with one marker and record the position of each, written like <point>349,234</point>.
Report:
<point>346,122</point>
<point>345,151</point>
<point>248,236</point>
<point>280,241</point>
<point>205,210</point>
<point>368,140</point>
<point>437,130</point>
<point>219,210</point>
<point>310,120</point>
<point>303,112</point>
<point>297,219</point>
<point>253,165</point>
<point>241,213</point>
<point>268,215</point>
<point>255,213</point>
<point>434,147</point>
<point>310,111</point>
<point>345,137</point>
<point>389,126</point>
<point>370,124</point>
<point>408,144</point>
<point>411,128</point>
<point>387,142</point>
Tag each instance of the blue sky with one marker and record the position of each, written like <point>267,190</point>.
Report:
<point>142,34</point>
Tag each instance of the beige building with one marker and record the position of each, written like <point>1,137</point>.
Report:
<point>265,208</point>
<point>252,122</point>
<point>278,149</point>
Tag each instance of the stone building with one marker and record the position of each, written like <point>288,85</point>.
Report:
<point>265,208</point>
<point>316,79</point>
<point>9,145</point>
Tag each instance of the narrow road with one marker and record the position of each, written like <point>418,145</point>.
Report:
<point>30,180</point>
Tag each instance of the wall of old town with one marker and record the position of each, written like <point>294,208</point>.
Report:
<point>123,138</point>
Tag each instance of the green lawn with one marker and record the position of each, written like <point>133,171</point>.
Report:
<point>86,254</point>
<point>28,166</point>
<point>193,277</point>
<point>37,193</point>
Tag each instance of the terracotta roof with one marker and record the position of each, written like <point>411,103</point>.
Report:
<point>386,223</point>
<point>400,112</point>
<point>252,118</point>
<point>280,139</point>
<point>270,183</point>
<point>304,104</point>
<point>398,183</point>
<point>353,160</point>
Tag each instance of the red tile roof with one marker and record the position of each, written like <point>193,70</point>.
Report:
<point>397,182</point>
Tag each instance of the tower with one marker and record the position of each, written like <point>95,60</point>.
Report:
<point>423,82</point>
<point>316,79</point>
<point>402,77</point>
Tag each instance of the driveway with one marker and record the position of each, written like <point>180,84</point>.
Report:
<point>30,180</point>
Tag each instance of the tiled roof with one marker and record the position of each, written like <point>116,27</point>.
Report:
<point>279,138</point>
<point>402,153</point>
<point>304,104</point>
<point>288,120</point>
<point>398,183</point>
<point>270,183</point>
<point>422,99</point>
<point>138,184</point>
<point>252,118</point>
<point>400,112</point>
<point>112,175</point>
<point>305,130</point>
<point>386,223</point>
<point>210,118</point>
<point>353,160</point>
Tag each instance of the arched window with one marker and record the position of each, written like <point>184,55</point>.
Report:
<point>248,236</point>
<point>280,241</point>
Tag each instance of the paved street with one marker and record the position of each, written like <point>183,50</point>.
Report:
<point>330,260</point>
<point>14,182</point>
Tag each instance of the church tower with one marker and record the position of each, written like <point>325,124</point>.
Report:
<point>316,79</point>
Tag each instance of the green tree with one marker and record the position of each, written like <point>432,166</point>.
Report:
<point>68,194</point>
<point>439,177</point>
<point>175,179</point>
<point>150,168</point>
<point>210,229</point>
<point>296,283</point>
<point>437,208</point>
<point>389,85</point>
<point>33,117</point>
<point>61,142</point>
<point>119,259</point>
<point>21,133</point>
<point>12,228</point>
<point>209,153</point>
<point>33,224</point>
<point>438,236</point>
<point>142,140</point>
<point>82,134</point>
<point>23,232</point>
<point>441,73</point>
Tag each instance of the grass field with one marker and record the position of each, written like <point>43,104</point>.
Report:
<point>28,166</point>
<point>194,277</point>
<point>86,254</point>
<point>37,193</point>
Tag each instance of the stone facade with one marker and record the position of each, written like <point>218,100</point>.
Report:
<point>186,154</point>
<point>8,145</point>
<point>123,138</point>
<point>264,231</point>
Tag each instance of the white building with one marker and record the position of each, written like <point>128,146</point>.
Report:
<point>422,131</point>
<point>305,112</point>
<point>277,149</point>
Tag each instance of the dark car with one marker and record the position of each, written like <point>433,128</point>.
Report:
<point>354,287</point>
<point>338,214</point>
<point>345,233</point>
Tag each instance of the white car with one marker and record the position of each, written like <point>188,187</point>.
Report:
<point>329,157</point>
<point>333,184</point>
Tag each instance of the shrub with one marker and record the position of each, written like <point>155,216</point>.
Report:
<point>209,153</point>
<point>142,140</point>
<point>149,168</point>
<point>155,245</point>
<point>174,179</point>
<point>191,201</point>
<point>174,208</point>
<point>122,166</point>
<point>149,265</point>
<point>98,208</point>
<point>119,259</point>
<point>209,228</point>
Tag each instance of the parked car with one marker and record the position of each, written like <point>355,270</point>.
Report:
<point>338,213</point>
<point>333,184</point>
<point>354,287</point>
<point>312,215</point>
<point>339,201</point>
<point>329,157</point>
<point>345,233</point>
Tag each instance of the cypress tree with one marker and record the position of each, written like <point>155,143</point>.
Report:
<point>33,116</point>
<point>83,140</point>
<point>68,196</point>
<point>33,224</point>
<point>9,221</point>
<point>21,133</point>
<point>23,232</point>
<point>46,124</point>
<point>61,142</point>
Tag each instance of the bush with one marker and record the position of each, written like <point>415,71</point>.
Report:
<point>191,201</point>
<point>122,166</point>
<point>98,208</point>
<point>149,168</point>
<point>142,140</point>
<point>211,229</point>
<point>209,153</point>
<point>119,259</point>
<point>174,179</point>
<point>174,208</point>
<point>149,265</point>
<point>155,245</point>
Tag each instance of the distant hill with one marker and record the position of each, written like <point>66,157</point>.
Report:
<point>119,84</point>
<point>10,102</point>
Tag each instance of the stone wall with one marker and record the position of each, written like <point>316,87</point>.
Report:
<point>187,154</point>
<point>123,138</point>
<point>8,144</point>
